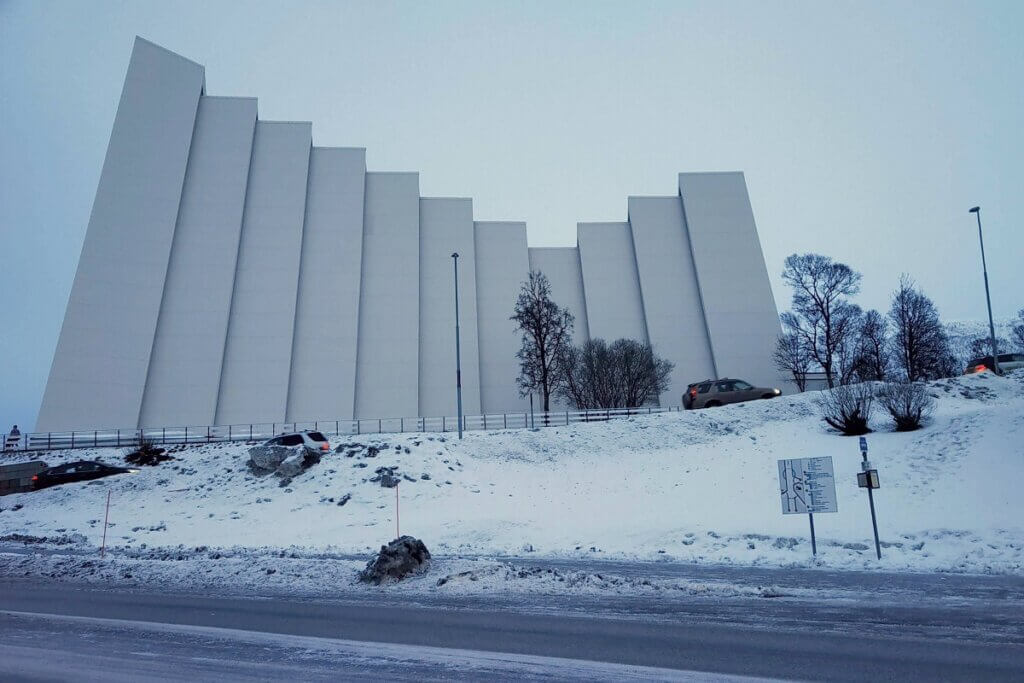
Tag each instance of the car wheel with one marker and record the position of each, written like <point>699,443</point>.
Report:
<point>712,404</point>
<point>767,396</point>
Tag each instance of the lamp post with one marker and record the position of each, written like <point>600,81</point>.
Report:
<point>988,301</point>
<point>458,351</point>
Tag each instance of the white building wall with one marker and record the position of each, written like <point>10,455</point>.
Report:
<point>611,286</point>
<point>668,286</point>
<point>323,372</point>
<point>217,285</point>
<point>502,265</point>
<point>258,350</point>
<point>743,322</point>
<point>387,365</point>
<point>185,366</point>
<point>446,226</point>
<point>102,356</point>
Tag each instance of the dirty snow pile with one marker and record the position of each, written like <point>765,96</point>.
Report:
<point>697,486</point>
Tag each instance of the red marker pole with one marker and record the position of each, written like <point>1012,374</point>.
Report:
<point>397,534</point>
<point>106,517</point>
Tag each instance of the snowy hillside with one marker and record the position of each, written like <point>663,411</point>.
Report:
<point>694,486</point>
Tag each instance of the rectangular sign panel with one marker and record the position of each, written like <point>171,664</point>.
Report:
<point>807,485</point>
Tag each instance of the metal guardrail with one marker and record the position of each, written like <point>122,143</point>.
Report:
<point>44,441</point>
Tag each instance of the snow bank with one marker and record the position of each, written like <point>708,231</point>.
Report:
<point>689,487</point>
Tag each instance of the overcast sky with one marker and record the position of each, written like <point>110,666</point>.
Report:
<point>866,130</point>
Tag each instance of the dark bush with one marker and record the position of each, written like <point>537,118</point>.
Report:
<point>847,408</point>
<point>147,454</point>
<point>908,403</point>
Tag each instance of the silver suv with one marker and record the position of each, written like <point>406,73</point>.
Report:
<point>313,441</point>
<point>718,392</point>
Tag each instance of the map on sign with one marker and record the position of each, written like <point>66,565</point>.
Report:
<point>807,485</point>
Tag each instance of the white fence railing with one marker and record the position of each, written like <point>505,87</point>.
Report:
<point>42,441</point>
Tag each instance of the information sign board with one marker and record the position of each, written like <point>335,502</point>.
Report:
<point>807,485</point>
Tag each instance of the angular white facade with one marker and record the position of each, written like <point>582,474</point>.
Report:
<point>232,273</point>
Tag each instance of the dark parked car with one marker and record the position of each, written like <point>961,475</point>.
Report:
<point>83,470</point>
<point>718,392</point>
<point>1007,363</point>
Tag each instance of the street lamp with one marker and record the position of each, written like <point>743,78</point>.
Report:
<point>458,351</point>
<point>984,269</point>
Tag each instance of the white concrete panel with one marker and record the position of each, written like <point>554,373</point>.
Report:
<point>743,323</point>
<point>611,285</point>
<point>668,287</point>
<point>323,374</point>
<point>258,351</point>
<point>387,365</point>
<point>502,265</point>
<point>184,370</point>
<point>102,357</point>
<point>446,226</point>
<point>561,265</point>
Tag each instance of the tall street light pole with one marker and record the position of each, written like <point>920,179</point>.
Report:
<point>988,301</point>
<point>458,351</point>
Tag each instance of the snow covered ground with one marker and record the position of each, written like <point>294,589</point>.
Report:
<point>686,487</point>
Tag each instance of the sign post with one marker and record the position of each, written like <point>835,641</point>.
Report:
<point>867,478</point>
<point>808,485</point>
<point>106,520</point>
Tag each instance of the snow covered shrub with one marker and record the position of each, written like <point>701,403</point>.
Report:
<point>847,408</point>
<point>908,403</point>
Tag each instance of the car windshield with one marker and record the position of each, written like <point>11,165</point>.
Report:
<point>317,436</point>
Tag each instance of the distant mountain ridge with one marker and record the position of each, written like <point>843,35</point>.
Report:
<point>962,332</point>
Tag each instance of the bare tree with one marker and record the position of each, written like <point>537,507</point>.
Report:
<point>1018,331</point>
<point>791,356</point>
<point>848,347</point>
<point>873,361</point>
<point>547,330</point>
<point>822,316</point>
<point>644,376</point>
<point>623,374</point>
<point>982,346</point>
<point>589,376</point>
<point>920,346</point>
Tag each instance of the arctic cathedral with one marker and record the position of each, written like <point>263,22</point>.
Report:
<point>234,273</point>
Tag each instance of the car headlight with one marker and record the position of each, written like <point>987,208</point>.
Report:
<point>776,391</point>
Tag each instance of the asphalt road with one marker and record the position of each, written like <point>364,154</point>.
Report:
<point>62,632</point>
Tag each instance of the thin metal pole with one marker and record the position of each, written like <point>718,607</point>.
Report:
<point>871,503</point>
<point>106,518</point>
<point>814,543</point>
<point>988,301</point>
<point>874,524</point>
<point>458,350</point>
